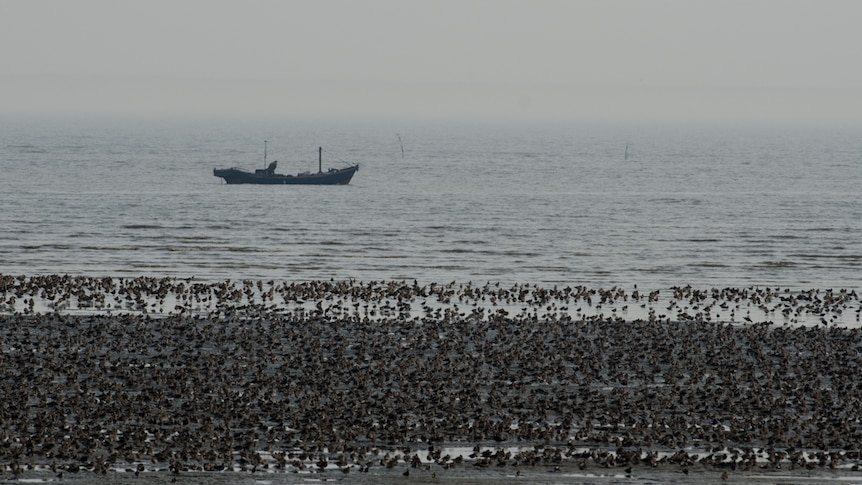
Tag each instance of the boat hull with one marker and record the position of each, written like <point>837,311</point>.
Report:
<point>332,177</point>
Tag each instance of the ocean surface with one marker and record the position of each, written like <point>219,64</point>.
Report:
<point>594,204</point>
<point>709,205</point>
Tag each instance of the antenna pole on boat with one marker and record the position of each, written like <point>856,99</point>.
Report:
<point>319,159</point>
<point>264,153</point>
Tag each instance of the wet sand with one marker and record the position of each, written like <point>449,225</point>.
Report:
<point>397,381</point>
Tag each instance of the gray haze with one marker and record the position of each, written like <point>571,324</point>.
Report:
<point>609,59</point>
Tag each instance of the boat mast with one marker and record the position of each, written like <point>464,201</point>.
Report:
<point>319,159</point>
<point>264,153</point>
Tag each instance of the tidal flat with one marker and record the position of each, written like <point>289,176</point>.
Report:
<point>392,380</point>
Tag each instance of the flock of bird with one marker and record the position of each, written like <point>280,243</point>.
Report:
<point>362,301</point>
<point>143,374</point>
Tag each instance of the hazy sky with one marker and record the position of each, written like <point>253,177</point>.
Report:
<point>722,59</point>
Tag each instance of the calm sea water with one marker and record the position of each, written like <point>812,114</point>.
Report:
<point>706,205</point>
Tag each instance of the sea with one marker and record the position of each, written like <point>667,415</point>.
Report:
<point>601,204</point>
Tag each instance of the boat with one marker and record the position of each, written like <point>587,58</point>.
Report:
<point>333,176</point>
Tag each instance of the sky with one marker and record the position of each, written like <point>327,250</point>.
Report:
<point>536,59</point>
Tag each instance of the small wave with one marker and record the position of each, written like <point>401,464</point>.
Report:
<point>145,265</point>
<point>111,248</point>
<point>787,237</point>
<point>290,229</point>
<point>775,264</point>
<point>193,238</point>
<point>520,254</point>
<point>246,249</point>
<point>457,251</point>
<point>27,148</point>
<point>32,247</point>
<point>708,264</point>
<point>390,256</point>
<point>446,267</point>
<point>840,257</point>
<point>142,226</point>
<point>550,269</point>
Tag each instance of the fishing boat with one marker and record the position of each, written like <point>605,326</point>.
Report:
<point>333,176</point>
